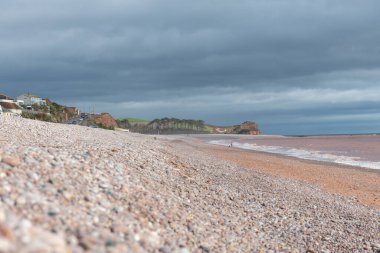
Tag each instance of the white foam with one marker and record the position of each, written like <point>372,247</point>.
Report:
<point>302,154</point>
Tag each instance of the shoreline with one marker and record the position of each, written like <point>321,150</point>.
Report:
<point>345,180</point>
<point>340,165</point>
<point>70,188</point>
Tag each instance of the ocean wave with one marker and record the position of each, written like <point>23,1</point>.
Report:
<point>302,154</point>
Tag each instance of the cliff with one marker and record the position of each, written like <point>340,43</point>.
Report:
<point>248,127</point>
<point>54,112</point>
<point>185,126</point>
<point>105,120</point>
<point>165,126</point>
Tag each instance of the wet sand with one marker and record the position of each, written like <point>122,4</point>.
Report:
<point>366,147</point>
<point>348,181</point>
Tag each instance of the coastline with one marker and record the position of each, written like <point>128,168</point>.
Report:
<point>345,180</point>
<point>75,189</point>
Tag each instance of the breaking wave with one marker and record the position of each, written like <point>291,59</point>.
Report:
<point>302,154</point>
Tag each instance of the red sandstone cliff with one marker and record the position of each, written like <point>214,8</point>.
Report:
<point>105,119</point>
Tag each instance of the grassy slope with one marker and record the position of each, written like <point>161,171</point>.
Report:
<point>136,121</point>
<point>209,128</point>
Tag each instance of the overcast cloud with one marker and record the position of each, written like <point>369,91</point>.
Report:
<point>294,66</point>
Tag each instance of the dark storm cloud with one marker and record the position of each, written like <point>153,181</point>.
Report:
<point>224,61</point>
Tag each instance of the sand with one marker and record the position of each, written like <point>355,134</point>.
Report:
<point>363,184</point>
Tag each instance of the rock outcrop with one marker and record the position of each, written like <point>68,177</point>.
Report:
<point>247,127</point>
<point>106,120</point>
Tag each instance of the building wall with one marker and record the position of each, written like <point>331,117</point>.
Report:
<point>16,111</point>
<point>11,112</point>
<point>5,111</point>
<point>31,100</point>
<point>7,100</point>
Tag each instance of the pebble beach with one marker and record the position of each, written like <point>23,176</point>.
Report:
<point>67,188</point>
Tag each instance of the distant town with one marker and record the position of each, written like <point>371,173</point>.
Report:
<point>29,103</point>
<point>9,106</point>
<point>34,107</point>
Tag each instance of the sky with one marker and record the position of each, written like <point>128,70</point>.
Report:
<point>293,66</point>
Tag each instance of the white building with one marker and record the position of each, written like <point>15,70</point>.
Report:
<point>20,102</point>
<point>5,98</point>
<point>30,99</point>
<point>8,106</point>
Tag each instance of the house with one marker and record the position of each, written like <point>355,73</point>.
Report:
<point>29,99</point>
<point>20,102</point>
<point>8,106</point>
<point>5,98</point>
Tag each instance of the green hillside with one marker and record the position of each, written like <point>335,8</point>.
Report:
<point>137,121</point>
<point>184,126</point>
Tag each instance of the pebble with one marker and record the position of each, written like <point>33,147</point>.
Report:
<point>2,216</point>
<point>204,249</point>
<point>6,245</point>
<point>150,238</point>
<point>165,249</point>
<point>12,161</point>
<point>67,195</point>
<point>21,200</point>
<point>86,242</point>
<point>6,233</point>
<point>184,250</point>
<point>110,243</point>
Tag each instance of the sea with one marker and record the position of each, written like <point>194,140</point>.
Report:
<point>351,150</point>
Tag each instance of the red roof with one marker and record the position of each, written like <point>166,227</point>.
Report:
<point>9,106</point>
